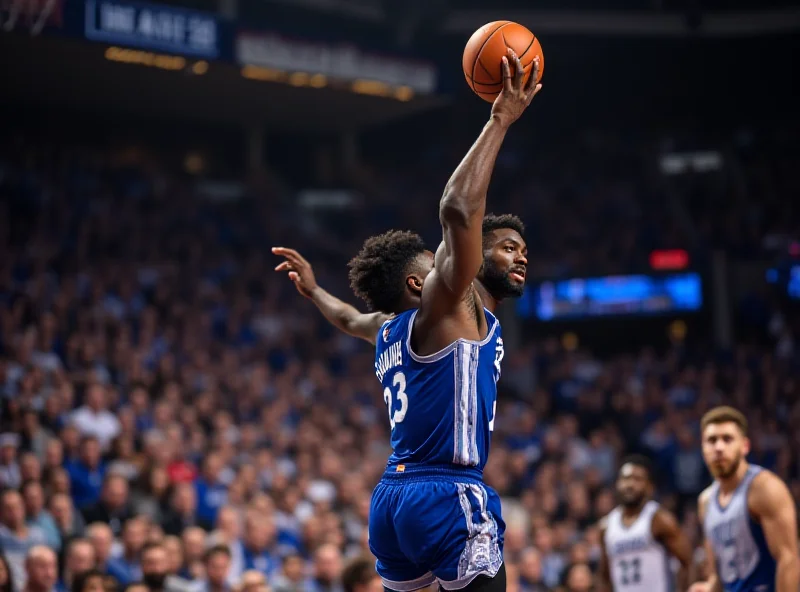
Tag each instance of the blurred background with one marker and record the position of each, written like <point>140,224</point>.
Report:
<point>164,390</point>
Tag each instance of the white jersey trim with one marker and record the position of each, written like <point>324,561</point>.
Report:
<point>435,357</point>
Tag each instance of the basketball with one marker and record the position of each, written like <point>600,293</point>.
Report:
<point>482,61</point>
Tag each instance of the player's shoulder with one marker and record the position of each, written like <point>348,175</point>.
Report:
<point>606,520</point>
<point>663,521</point>
<point>766,489</point>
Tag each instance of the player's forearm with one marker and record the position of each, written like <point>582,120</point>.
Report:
<point>787,574</point>
<point>340,314</point>
<point>464,198</point>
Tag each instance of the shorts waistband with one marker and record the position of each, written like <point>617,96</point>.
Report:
<point>452,473</point>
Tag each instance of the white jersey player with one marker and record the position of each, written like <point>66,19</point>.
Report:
<point>639,537</point>
<point>748,515</point>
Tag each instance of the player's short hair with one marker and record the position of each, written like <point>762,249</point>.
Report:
<point>724,414</point>
<point>358,572</point>
<point>493,222</point>
<point>641,461</point>
<point>378,272</point>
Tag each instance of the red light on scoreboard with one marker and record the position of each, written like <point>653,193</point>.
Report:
<point>669,260</point>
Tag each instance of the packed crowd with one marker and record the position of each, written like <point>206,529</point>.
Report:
<point>174,415</point>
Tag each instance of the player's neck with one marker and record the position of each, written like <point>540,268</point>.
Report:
<point>633,511</point>
<point>489,302</point>
<point>729,484</point>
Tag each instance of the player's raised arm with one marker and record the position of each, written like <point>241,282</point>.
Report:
<point>463,203</point>
<point>341,315</point>
<point>771,502</point>
<point>667,531</point>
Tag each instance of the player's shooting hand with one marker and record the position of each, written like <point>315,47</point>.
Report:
<point>300,271</point>
<point>517,93</point>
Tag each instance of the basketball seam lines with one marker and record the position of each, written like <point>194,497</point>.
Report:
<point>533,40</point>
<point>478,53</point>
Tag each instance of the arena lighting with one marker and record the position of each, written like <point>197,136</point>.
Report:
<point>669,260</point>
<point>146,58</point>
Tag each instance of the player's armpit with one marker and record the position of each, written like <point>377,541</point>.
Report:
<point>770,502</point>
<point>365,326</point>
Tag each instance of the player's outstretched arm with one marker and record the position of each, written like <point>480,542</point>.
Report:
<point>341,315</point>
<point>463,204</point>
<point>667,531</point>
<point>772,504</point>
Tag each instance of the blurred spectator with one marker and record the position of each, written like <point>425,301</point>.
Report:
<point>41,570</point>
<point>113,507</point>
<point>79,559</point>
<point>359,576</point>
<point>94,419</point>
<point>89,581</point>
<point>16,537</point>
<point>68,520</point>
<point>6,577</point>
<point>217,562</point>
<point>86,473</point>
<point>36,516</point>
<point>253,581</point>
<point>126,567</point>
<point>290,578</point>
<point>183,509</point>
<point>10,476</point>
<point>102,539</point>
<point>327,576</point>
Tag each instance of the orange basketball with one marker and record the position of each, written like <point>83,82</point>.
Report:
<point>482,61</point>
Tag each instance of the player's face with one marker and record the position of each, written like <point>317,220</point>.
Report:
<point>633,485</point>
<point>505,264</point>
<point>724,447</point>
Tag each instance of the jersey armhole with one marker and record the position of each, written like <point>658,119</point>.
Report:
<point>442,353</point>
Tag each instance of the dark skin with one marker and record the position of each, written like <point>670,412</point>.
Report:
<point>634,490</point>
<point>450,307</point>
<point>507,252</point>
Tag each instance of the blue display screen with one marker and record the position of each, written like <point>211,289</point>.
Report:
<point>628,295</point>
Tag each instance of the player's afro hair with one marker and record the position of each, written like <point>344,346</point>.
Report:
<point>496,222</point>
<point>377,273</point>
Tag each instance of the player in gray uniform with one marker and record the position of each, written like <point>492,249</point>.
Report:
<point>748,515</point>
<point>639,537</point>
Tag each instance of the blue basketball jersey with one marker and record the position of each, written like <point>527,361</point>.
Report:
<point>744,563</point>
<point>441,406</point>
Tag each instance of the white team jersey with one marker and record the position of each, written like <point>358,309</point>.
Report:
<point>637,562</point>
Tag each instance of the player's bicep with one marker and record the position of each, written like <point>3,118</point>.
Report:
<point>366,326</point>
<point>460,255</point>
<point>772,503</point>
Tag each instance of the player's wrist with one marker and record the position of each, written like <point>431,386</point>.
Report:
<point>500,121</point>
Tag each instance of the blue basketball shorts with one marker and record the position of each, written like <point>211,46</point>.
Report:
<point>435,524</point>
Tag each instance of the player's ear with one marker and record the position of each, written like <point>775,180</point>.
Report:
<point>746,446</point>
<point>414,283</point>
